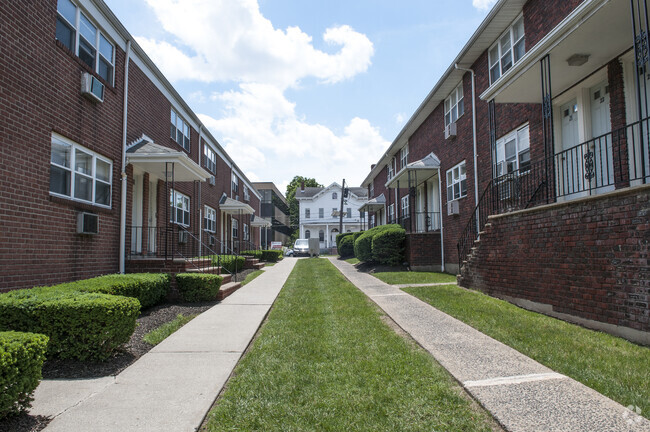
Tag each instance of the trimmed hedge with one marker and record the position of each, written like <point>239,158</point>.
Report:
<point>388,246</point>
<point>80,325</point>
<point>21,361</point>
<point>228,262</point>
<point>254,253</point>
<point>149,288</point>
<point>346,247</point>
<point>363,243</point>
<point>340,237</point>
<point>197,287</point>
<point>271,255</point>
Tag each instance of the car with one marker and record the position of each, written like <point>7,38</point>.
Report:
<point>301,247</point>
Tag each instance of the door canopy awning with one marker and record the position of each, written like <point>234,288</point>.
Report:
<point>164,162</point>
<point>260,222</point>
<point>417,171</point>
<point>375,204</point>
<point>234,207</point>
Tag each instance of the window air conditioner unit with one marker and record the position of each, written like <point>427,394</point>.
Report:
<point>87,223</point>
<point>183,236</point>
<point>92,88</point>
<point>450,130</point>
<point>452,208</point>
<point>211,180</point>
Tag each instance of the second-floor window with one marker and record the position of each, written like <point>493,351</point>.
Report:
<point>456,182</point>
<point>209,159</point>
<point>508,50</point>
<point>454,105</point>
<point>307,213</point>
<point>247,196</point>
<point>235,184</point>
<point>348,213</point>
<point>209,219</point>
<point>404,156</point>
<point>391,168</point>
<point>180,208</point>
<point>321,213</point>
<point>334,195</point>
<point>371,190</point>
<point>180,130</point>
<point>405,206</point>
<point>78,33</point>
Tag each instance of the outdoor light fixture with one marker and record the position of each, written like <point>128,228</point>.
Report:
<point>577,59</point>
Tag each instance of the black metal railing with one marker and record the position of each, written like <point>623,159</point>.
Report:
<point>420,222</point>
<point>611,161</point>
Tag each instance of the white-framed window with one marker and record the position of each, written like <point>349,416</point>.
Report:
<point>235,184</point>
<point>348,213</point>
<point>454,105</point>
<point>391,168</point>
<point>334,211</point>
<point>321,213</point>
<point>307,234</point>
<point>334,195</point>
<point>80,174</point>
<point>209,158</point>
<point>180,130</point>
<point>371,190</point>
<point>404,156</point>
<point>235,228</point>
<point>246,232</point>
<point>513,152</point>
<point>180,206</point>
<point>247,195</point>
<point>371,222</point>
<point>507,50</point>
<point>405,206</point>
<point>307,213</point>
<point>391,213</point>
<point>456,182</point>
<point>209,219</point>
<point>321,235</point>
<point>78,33</point>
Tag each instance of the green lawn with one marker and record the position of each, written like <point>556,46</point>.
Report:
<point>251,276</point>
<point>157,335</point>
<point>613,366</point>
<point>269,264</point>
<point>410,277</point>
<point>326,361</point>
<point>352,260</point>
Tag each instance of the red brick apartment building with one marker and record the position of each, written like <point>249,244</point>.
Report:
<point>103,163</point>
<point>525,170</point>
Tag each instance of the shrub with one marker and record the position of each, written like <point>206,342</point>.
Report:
<point>149,288</point>
<point>271,255</point>
<point>346,247</point>
<point>356,235</point>
<point>228,262</point>
<point>363,243</point>
<point>85,326</point>
<point>340,237</point>
<point>21,361</point>
<point>254,253</point>
<point>388,246</point>
<point>196,287</point>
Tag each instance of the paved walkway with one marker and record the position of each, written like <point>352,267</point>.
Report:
<point>172,387</point>
<point>521,394</point>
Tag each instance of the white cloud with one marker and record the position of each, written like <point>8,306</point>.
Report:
<point>399,118</point>
<point>262,132</point>
<point>483,4</point>
<point>232,41</point>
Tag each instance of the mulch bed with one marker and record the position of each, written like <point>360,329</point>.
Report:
<point>120,360</point>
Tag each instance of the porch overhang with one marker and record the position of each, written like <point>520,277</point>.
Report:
<point>373,205</point>
<point>418,171</point>
<point>260,222</point>
<point>599,29</point>
<point>156,159</point>
<point>234,207</point>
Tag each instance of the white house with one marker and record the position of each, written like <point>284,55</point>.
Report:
<point>319,212</point>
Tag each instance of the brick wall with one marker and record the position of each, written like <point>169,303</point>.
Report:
<point>541,16</point>
<point>423,251</point>
<point>587,258</point>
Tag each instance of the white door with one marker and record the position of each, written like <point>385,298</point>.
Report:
<point>136,215</point>
<point>569,163</point>
<point>602,172</point>
<point>153,216</point>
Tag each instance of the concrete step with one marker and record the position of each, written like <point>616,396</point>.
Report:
<point>259,266</point>
<point>206,269</point>
<point>227,289</point>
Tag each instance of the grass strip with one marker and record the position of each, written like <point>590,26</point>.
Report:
<point>326,361</point>
<point>410,277</point>
<point>352,261</point>
<point>610,365</point>
<point>251,276</point>
<point>157,335</point>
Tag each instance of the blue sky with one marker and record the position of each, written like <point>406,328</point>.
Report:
<point>312,88</point>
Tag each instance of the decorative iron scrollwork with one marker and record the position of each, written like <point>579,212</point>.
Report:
<point>412,191</point>
<point>547,110</point>
<point>641,48</point>
<point>589,166</point>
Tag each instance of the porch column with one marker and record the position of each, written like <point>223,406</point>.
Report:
<point>641,45</point>
<point>547,128</point>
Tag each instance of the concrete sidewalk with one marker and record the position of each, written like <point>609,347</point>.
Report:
<point>520,393</point>
<point>172,387</point>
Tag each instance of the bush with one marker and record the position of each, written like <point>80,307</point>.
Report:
<point>340,237</point>
<point>80,325</point>
<point>21,361</point>
<point>363,243</point>
<point>346,247</point>
<point>271,255</point>
<point>388,246</point>
<point>149,288</point>
<point>254,253</point>
<point>228,262</point>
<point>197,287</point>
<point>356,235</point>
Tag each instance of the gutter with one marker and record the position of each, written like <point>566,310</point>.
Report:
<point>123,176</point>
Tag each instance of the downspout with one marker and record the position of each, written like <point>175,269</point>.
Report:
<point>123,176</point>
<point>474,140</point>
<point>442,231</point>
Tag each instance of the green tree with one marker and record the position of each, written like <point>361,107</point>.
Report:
<point>294,208</point>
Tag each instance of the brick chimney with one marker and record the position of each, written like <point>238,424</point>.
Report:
<point>302,186</point>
